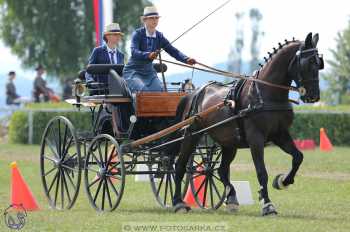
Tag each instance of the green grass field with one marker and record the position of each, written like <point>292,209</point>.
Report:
<point>318,201</point>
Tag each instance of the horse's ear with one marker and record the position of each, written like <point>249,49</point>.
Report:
<point>308,41</point>
<point>315,40</point>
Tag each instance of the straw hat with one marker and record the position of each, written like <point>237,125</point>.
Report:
<point>150,11</point>
<point>112,28</point>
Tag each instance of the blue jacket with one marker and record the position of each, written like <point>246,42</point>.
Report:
<point>141,46</point>
<point>100,56</point>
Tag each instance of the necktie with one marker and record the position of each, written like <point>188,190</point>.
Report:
<point>112,57</point>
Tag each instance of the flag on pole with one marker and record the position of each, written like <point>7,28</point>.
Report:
<point>103,15</point>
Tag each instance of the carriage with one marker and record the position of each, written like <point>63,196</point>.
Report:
<point>106,154</point>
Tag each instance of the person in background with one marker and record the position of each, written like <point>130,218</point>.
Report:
<point>146,42</point>
<point>39,85</point>
<point>11,94</point>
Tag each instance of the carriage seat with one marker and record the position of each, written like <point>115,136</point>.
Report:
<point>104,69</point>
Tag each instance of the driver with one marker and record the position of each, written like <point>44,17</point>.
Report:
<point>145,45</point>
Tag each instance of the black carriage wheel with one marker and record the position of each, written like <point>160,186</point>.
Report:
<point>104,173</point>
<point>206,186</point>
<point>163,185</point>
<point>60,163</point>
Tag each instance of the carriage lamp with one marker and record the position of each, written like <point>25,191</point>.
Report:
<point>79,88</point>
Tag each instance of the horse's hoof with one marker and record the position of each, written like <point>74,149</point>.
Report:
<point>232,204</point>
<point>278,182</point>
<point>232,208</point>
<point>269,209</point>
<point>181,208</point>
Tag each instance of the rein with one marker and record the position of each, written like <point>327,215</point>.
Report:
<point>213,70</point>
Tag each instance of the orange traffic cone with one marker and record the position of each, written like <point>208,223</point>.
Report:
<point>325,143</point>
<point>21,194</point>
<point>189,198</point>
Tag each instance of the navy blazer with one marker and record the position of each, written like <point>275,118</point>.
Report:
<point>100,56</point>
<point>141,46</point>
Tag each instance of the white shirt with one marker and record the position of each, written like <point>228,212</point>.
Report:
<point>148,34</point>
<point>114,56</point>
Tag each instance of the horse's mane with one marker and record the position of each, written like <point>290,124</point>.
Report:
<point>280,47</point>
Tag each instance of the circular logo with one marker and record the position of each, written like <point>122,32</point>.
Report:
<point>15,216</point>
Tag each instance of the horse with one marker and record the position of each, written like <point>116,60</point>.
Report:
<point>268,121</point>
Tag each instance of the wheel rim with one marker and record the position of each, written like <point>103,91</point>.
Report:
<point>206,186</point>
<point>104,173</point>
<point>60,163</point>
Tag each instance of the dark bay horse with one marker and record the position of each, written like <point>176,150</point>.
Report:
<point>296,61</point>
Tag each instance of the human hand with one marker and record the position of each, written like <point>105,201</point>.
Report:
<point>191,61</point>
<point>153,55</point>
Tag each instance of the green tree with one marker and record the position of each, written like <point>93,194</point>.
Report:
<point>338,76</point>
<point>58,33</point>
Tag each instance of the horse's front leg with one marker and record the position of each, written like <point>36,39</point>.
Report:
<point>256,144</point>
<point>285,142</point>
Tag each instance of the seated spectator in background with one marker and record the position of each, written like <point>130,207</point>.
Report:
<point>11,94</point>
<point>67,89</point>
<point>40,88</point>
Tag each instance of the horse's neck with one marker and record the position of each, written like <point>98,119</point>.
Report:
<point>276,72</point>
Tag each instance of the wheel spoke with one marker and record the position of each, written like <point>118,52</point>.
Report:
<point>64,140</point>
<point>171,187</point>
<point>108,194</point>
<point>216,177</point>
<point>205,192</point>
<point>98,162</point>
<point>97,191</point>
<point>70,157</point>
<point>53,181</point>
<point>100,154</point>
<point>103,195</point>
<point>65,151</point>
<point>70,179</point>
<point>47,173</point>
<point>113,166</point>
<point>70,168</point>
<point>106,152</point>
<point>160,185</point>
<point>54,151</point>
<point>57,186</point>
<point>59,138</point>
<point>94,182</point>
<point>211,193</point>
<point>66,187</point>
<point>93,170</point>
<point>200,187</point>
<point>49,158</point>
<point>166,188</point>
<point>113,188</point>
<point>62,191</point>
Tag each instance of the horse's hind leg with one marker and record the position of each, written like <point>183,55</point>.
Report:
<point>228,155</point>
<point>285,142</point>
<point>187,148</point>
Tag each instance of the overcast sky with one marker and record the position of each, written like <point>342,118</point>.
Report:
<point>210,41</point>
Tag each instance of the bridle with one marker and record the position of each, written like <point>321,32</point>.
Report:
<point>299,79</point>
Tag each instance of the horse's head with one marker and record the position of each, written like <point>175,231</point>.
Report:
<point>304,68</point>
